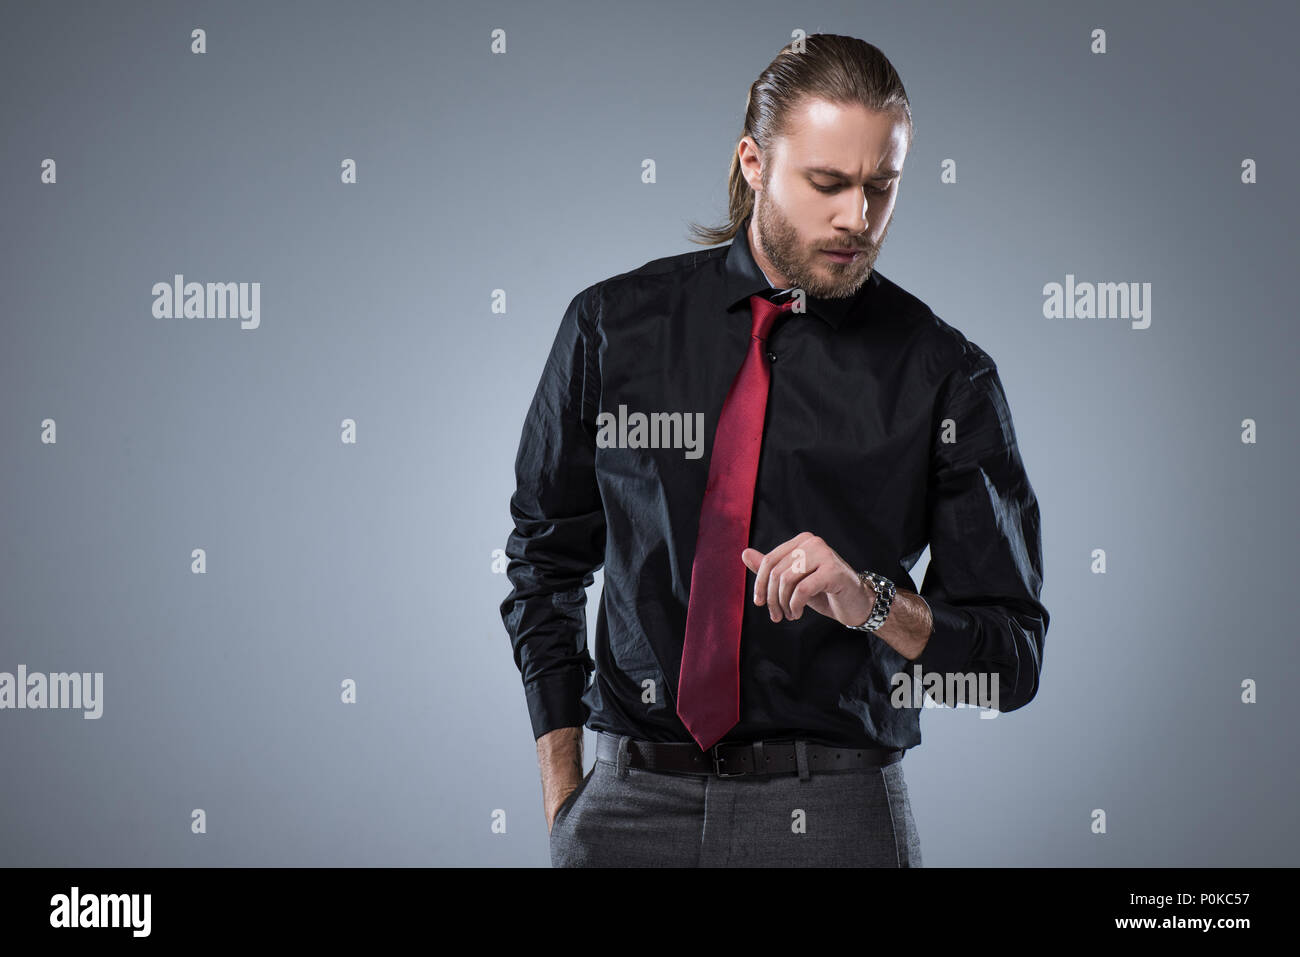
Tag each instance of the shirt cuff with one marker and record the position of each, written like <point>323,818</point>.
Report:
<point>951,642</point>
<point>555,701</point>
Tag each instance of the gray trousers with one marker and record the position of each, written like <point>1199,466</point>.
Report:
<point>621,816</point>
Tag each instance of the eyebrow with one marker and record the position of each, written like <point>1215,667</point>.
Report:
<point>829,171</point>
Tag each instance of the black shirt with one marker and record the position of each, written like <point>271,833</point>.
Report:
<point>857,448</point>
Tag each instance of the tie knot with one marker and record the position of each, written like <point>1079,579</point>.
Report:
<point>765,312</point>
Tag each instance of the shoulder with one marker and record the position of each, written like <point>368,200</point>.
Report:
<point>667,275</point>
<point>669,270</point>
<point>951,352</point>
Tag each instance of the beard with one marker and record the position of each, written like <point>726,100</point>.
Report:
<point>805,266</point>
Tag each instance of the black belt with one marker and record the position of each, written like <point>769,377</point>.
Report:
<point>732,758</point>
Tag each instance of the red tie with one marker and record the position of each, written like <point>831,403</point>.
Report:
<point>708,691</point>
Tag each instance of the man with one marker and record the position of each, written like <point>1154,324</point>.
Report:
<point>741,436</point>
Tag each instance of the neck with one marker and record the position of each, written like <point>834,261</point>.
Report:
<point>774,278</point>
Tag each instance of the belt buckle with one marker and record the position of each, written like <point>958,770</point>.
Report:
<point>717,769</point>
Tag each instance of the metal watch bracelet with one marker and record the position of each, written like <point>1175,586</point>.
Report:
<point>884,590</point>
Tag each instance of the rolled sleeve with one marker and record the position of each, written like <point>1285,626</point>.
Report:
<point>985,574</point>
<point>558,540</point>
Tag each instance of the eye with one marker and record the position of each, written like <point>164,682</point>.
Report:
<point>833,189</point>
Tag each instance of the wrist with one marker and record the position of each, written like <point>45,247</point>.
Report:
<point>871,600</point>
<point>882,593</point>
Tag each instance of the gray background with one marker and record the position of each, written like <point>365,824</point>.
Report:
<point>522,172</point>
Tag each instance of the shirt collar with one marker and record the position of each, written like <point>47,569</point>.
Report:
<point>744,279</point>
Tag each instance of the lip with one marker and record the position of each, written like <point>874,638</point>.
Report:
<point>842,255</point>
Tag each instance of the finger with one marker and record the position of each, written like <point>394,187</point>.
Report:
<point>763,575</point>
<point>774,589</point>
<point>805,555</point>
<point>789,566</point>
<point>791,576</point>
<point>806,589</point>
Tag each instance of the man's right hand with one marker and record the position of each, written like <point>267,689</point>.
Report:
<point>559,755</point>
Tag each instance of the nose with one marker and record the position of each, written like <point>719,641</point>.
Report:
<point>855,214</point>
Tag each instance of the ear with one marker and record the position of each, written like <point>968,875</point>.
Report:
<point>751,162</point>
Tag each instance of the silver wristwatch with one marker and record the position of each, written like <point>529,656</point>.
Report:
<point>884,590</point>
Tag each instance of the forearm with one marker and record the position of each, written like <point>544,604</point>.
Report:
<point>559,756</point>
<point>909,625</point>
<point>1004,641</point>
